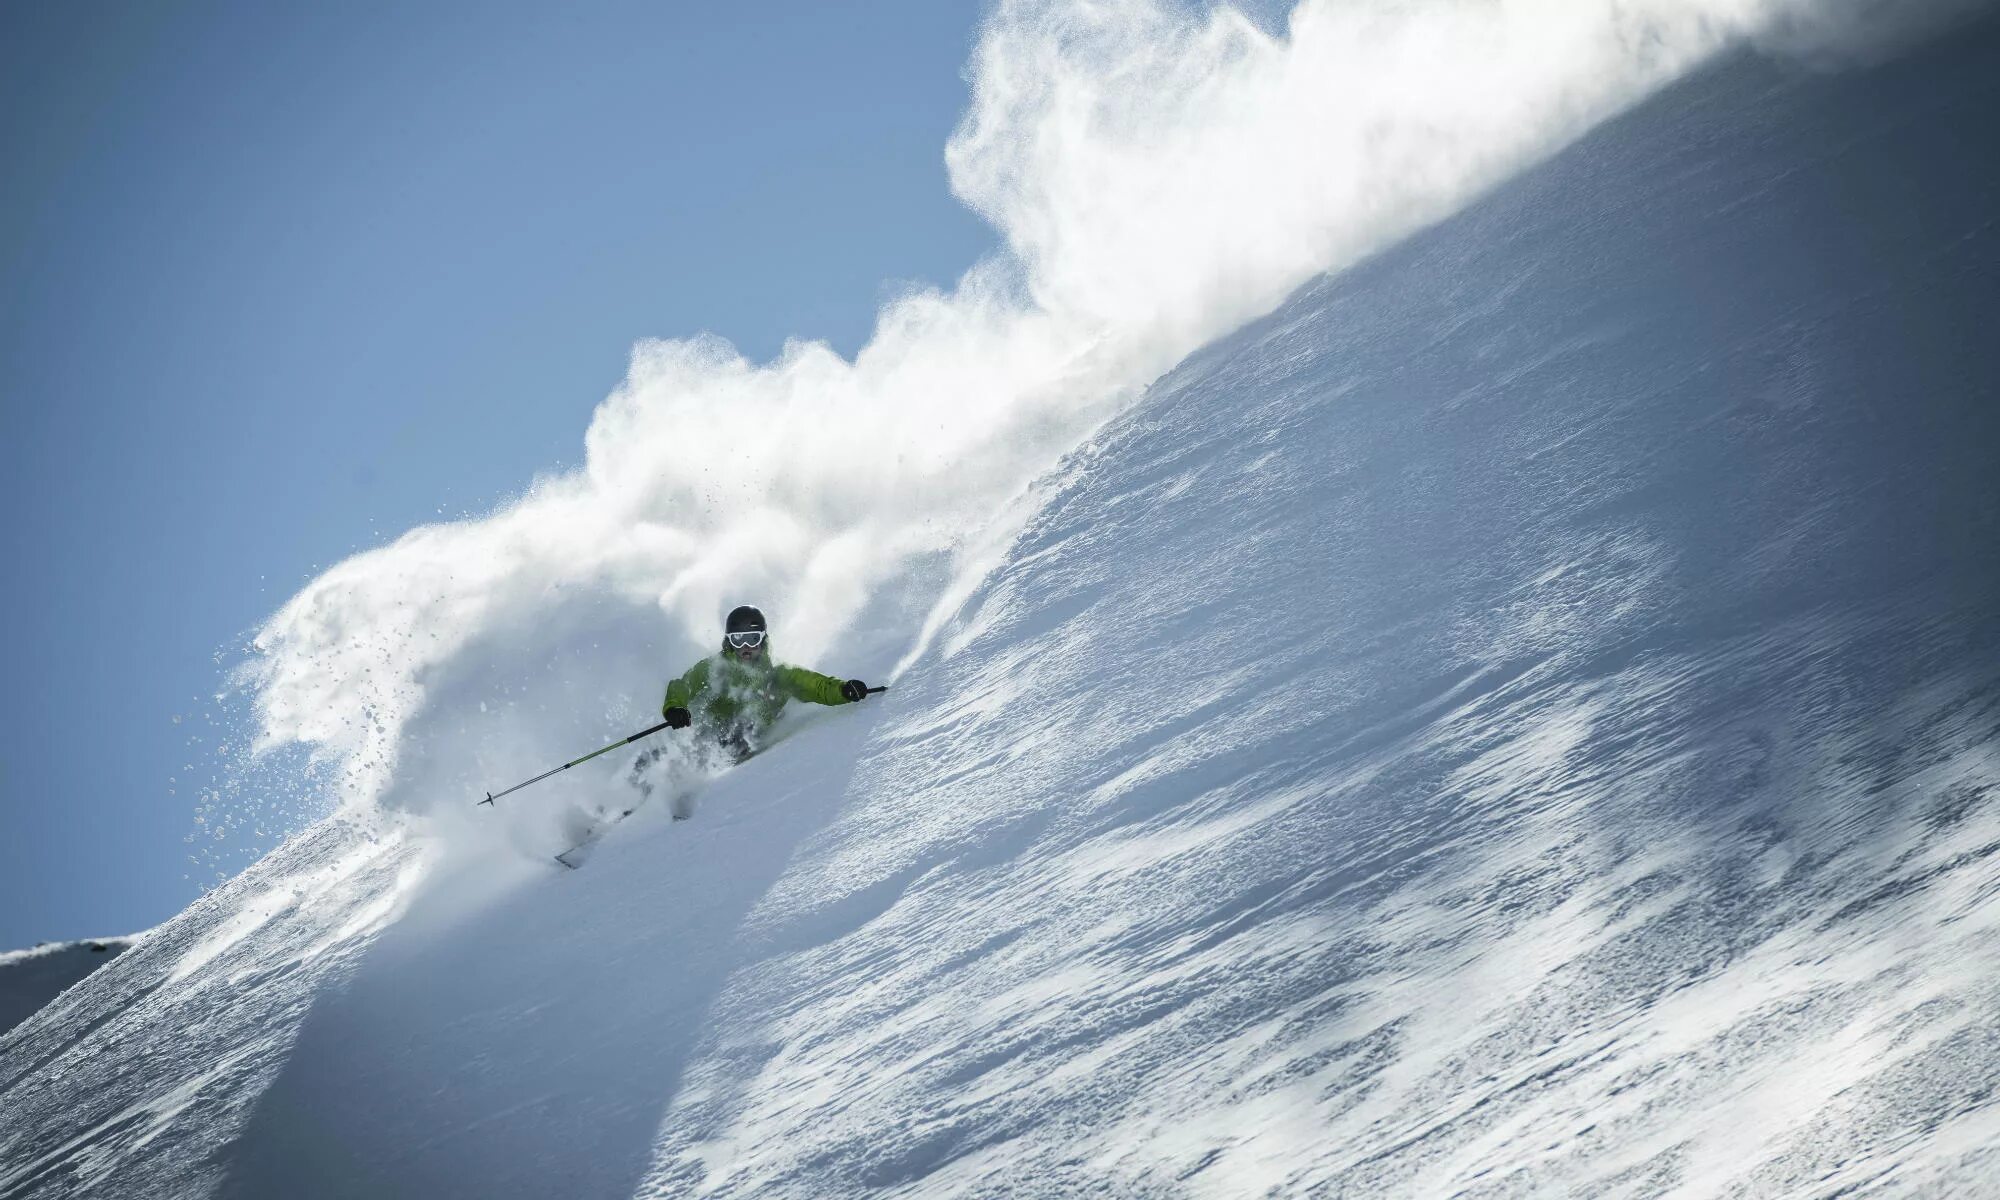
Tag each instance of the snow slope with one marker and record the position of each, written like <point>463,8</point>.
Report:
<point>1518,720</point>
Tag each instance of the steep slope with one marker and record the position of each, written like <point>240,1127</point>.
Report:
<point>1519,718</point>
<point>1518,721</point>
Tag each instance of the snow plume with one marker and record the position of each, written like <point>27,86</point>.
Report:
<point>1157,176</point>
<point>1836,33</point>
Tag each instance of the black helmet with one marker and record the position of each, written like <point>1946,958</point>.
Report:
<point>743,619</point>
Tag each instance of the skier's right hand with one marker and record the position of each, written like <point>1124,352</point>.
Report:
<point>678,717</point>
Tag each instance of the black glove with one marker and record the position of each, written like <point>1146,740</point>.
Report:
<point>677,717</point>
<point>853,690</point>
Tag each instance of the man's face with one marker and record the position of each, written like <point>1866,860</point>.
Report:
<point>746,647</point>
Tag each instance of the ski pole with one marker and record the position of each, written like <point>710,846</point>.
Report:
<point>492,796</point>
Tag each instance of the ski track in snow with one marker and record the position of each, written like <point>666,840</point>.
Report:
<point>1520,720</point>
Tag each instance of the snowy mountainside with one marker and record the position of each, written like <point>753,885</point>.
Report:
<point>1518,720</point>
<point>31,978</point>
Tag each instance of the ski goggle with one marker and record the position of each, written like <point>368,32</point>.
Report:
<point>749,639</point>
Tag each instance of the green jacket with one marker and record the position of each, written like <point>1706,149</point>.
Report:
<point>723,691</point>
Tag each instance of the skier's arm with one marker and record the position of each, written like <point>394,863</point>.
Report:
<point>681,692</point>
<point>801,684</point>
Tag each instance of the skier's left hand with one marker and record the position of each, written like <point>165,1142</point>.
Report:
<point>853,690</point>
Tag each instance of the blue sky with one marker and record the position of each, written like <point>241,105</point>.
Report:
<point>278,285</point>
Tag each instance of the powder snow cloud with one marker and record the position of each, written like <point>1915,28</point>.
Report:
<point>1158,177</point>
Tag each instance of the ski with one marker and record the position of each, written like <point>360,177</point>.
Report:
<point>591,837</point>
<point>574,857</point>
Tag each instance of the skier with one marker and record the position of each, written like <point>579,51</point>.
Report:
<point>730,698</point>
<point>733,696</point>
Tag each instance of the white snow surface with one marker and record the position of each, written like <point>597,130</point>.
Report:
<point>1518,720</point>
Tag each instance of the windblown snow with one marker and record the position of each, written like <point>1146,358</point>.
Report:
<point>1518,719</point>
